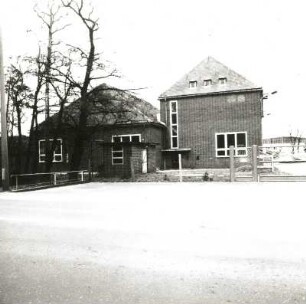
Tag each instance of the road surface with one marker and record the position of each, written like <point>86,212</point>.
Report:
<point>197,243</point>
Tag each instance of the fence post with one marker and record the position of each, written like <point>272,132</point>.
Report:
<point>16,182</point>
<point>180,166</point>
<point>132,169</point>
<point>54,179</point>
<point>232,163</point>
<point>82,176</point>
<point>254,163</point>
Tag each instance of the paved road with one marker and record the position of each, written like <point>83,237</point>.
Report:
<point>144,243</point>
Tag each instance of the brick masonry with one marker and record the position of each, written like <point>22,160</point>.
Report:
<point>201,117</point>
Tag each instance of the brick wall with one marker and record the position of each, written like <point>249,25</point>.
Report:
<point>200,118</point>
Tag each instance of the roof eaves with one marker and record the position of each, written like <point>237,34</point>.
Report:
<point>161,97</point>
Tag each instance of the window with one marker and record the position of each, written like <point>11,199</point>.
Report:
<point>236,139</point>
<point>222,80</point>
<point>193,84</point>
<point>207,82</point>
<point>57,153</point>
<point>134,138</point>
<point>173,124</point>
<point>117,155</point>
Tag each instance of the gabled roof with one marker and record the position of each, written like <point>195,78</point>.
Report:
<point>212,69</point>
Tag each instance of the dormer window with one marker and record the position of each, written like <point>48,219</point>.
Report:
<point>207,82</point>
<point>222,80</point>
<point>193,84</point>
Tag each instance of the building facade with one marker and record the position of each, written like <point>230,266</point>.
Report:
<point>210,109</point>
<point>123,136</point>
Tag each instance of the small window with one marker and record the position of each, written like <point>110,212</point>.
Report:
<point>222,80</point>
<point>207,82</point>
<point>57,153</point>
<point>193,84</point>
<point>135,138</point>
<point>117,155</point>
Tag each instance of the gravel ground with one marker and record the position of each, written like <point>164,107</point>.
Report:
<point>153,243</point>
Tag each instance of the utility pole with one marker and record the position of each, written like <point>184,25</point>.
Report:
<point>4,146</point>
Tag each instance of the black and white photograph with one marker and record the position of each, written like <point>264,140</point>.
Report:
<point>152,152</point>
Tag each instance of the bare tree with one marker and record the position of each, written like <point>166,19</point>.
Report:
<point>19,95</point>
<point>93,70</point>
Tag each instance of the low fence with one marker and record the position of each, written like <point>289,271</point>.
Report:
<point>261,164</point>
<point>43,180</point>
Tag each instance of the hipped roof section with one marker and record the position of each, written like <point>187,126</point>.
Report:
<point>107,106</point>
<point>212,69</point>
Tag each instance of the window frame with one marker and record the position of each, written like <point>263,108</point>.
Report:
<point>236,148</point>
<point>126,135</point>
<point>175,125</point>
<point>222,80</point>
<point>40,155</point>
<point>117,157</point>
<point>193,84</point>
<point>207,82</point>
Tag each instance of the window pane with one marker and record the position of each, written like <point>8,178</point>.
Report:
<point>125,138</point>
<point>174,142</point>
<point>230,140</point>
<point>220,153</point>
<point>42,158</point>
<point>173,106</point>
<point>135,138</point>
<point>57,158</point>
<point>117,148</point>
<point>241,140</point>
<point>241,152</point>
<point>116,139</point>
<point>42,147</point>
<point>174,130</point>
<point>117,154</point>
<point>174,120</point>
<point>220,142</point>
<point>57,149</point>
<point>118,161</point>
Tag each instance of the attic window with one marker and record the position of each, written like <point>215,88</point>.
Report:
<point>193,84</point>
<point>222,80</point>
<point>207,82</point>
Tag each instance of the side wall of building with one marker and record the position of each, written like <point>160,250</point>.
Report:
<point>200,118</point>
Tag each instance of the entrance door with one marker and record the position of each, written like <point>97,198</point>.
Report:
<point>144,161</point>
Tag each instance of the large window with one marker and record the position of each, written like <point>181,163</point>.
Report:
<point>117,155</point>
<point>173,124</point>
<point>57,153</point>
<point>236,139</point>
<point>134,138</point>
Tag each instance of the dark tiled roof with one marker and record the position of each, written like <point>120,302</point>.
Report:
<point>212,69</point>
<point>108,106</point>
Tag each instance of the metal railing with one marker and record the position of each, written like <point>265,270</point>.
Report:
<point>51,179</point>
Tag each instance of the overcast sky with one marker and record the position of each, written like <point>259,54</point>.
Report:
<point>155,42</point>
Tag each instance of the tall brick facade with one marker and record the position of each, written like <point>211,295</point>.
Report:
<point>205,111</point>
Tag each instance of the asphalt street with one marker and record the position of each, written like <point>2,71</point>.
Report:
<point>162,243</point>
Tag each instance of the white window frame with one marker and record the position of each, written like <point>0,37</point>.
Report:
<point>207,82</point>
<point>222,80</point>
<point>174,124</point>
<point>40,155</point>
<point>125,135</point>
<point>193,84</point>
<point>117,157</point>
<point>236,149</point>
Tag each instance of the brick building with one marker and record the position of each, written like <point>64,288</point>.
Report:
<point>206,111</point>
<point>123,135</point>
